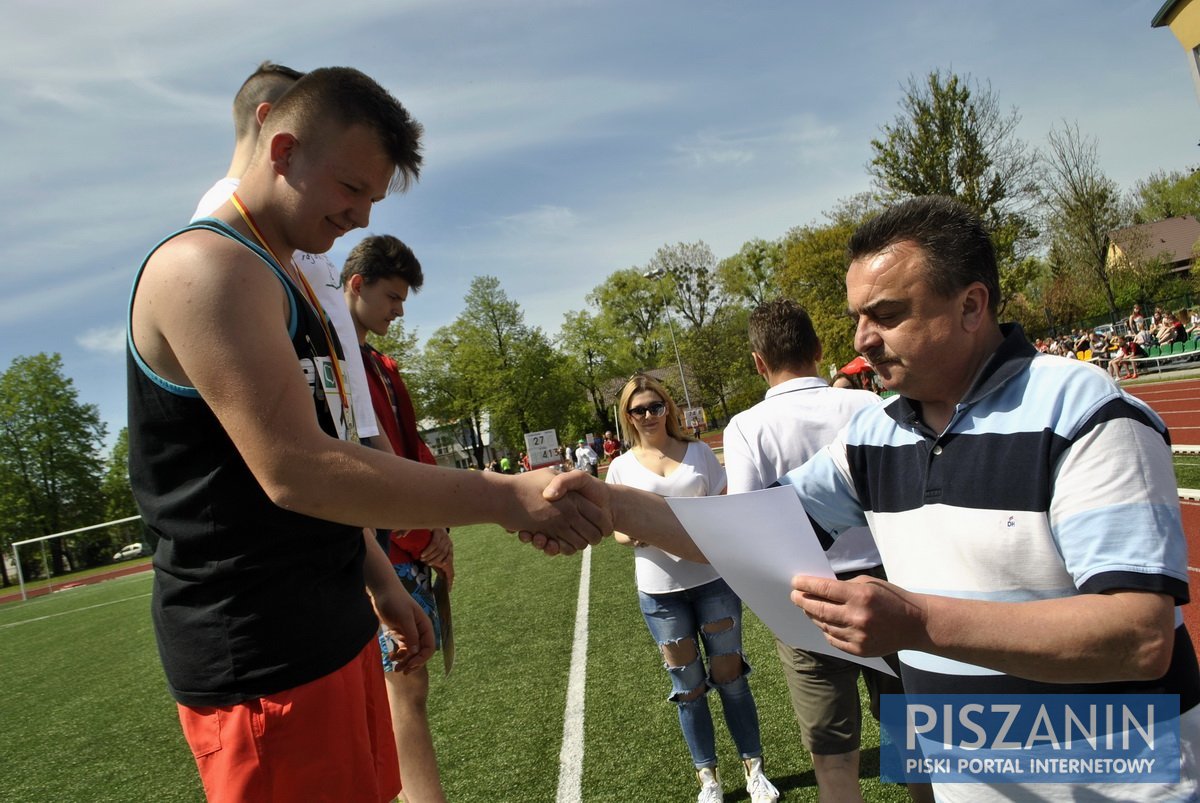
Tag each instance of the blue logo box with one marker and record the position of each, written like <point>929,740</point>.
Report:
<point>1037,738</point>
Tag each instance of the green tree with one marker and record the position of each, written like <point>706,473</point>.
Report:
<point>632,306</point>
<point>690,269</point>
<point>813,273</point>
<point>117,494</point>
<point>1165,195</point>
<point>399,343</point>
<point>952,138</point>
<point>591,349</point>
<point>749,275</point>
<point>402,346</point>
<point>718,358</point>
<point>1083,208</point>
<point>451,391</point>
<point>490,362</point>
<point>50,458</point>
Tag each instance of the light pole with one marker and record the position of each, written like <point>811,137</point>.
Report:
<point>657,275</point>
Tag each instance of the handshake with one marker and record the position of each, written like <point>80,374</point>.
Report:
<point>562,512</point>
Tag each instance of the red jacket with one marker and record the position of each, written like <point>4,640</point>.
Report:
<point>398,420</point>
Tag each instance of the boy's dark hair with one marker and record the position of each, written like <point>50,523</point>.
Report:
<point>344,97</point>
<point>782,333</point>
<point>957,248</point>
<point>265,85</point>
<point>382,256</point>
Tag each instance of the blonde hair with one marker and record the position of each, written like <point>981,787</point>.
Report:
<point>639,383</point>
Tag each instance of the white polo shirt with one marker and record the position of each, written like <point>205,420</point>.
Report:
<point>796,420</point>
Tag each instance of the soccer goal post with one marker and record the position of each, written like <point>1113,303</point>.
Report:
<point>41,541</point>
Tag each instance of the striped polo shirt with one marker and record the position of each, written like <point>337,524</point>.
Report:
<point>1048,482</point>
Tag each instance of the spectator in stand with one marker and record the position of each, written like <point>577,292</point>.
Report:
<point>1135,322</point>
<point>1179,332</point>
<point>1082,342</point>
<point>1122,365</point>
<point>1193,322</point>
<point>1162,331</point>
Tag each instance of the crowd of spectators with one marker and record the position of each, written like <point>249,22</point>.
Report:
<point>1119,348</point>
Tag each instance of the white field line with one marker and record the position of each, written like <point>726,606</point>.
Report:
<point>570,757</point>
<point>75,610</point>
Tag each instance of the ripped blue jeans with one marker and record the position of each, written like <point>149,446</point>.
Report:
<point>713,613</point>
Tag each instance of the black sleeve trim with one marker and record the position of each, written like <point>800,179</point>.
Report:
<point>1137,581</point>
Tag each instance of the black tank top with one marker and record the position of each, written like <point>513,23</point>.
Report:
<point>249,599</point>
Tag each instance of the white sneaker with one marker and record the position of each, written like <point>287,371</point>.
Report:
<point>761,790</point>
<point>710,786</point>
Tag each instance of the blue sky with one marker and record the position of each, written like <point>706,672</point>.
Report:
<point>564,140</point>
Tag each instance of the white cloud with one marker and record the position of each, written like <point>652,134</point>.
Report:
<point>541,221</point>
<point>104,340</point>
<point>710,148</point>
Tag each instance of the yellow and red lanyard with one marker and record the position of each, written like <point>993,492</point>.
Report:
<point>309,294</point>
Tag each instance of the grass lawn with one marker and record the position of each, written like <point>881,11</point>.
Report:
<point>1187,471</point>
<point>86,715</point>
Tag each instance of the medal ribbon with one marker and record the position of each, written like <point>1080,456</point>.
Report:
<point>308,293</point>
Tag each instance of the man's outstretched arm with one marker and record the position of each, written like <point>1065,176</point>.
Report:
<point>212,316</point>
<point>641,515</point>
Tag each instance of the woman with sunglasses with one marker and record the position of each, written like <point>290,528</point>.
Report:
<point>687,605</point>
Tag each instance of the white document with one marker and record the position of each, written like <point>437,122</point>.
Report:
<point>757,541</point>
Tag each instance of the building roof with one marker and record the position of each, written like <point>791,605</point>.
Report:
<point>1175,237</point>
<point>1167,13</point>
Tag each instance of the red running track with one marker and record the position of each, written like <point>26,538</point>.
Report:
<point>1178,402</point>
<point>42,591</point>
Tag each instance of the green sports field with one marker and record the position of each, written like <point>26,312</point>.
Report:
<point>84,713</point>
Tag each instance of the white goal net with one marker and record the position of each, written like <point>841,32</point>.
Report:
<point>59,557</point>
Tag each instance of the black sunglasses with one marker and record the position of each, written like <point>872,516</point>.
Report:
<point>656,409</point>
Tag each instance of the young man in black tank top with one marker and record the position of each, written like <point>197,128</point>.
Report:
<point>235,463</point>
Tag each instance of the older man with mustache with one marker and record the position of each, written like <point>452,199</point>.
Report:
<point>989,483</point>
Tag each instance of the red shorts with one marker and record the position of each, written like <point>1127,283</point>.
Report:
<point>328,740</point>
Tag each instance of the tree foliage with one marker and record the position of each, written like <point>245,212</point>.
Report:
<point>591,350</point>
<point>632,306</point>
<point>749,275</point>
<point>691,271</point>
<point>952,138</point>
<point>489,362</point>
<point>718,358</point>
<point>1163,195</point>
<point>50,458</point>
<point>813,273</point>
<point>451,392</point>
<point>1083,207</point>
<point>117,494</point>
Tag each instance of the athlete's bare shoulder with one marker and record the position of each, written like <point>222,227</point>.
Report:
<point>195,284</point>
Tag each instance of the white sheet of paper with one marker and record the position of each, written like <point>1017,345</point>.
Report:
<point>757,541</point>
